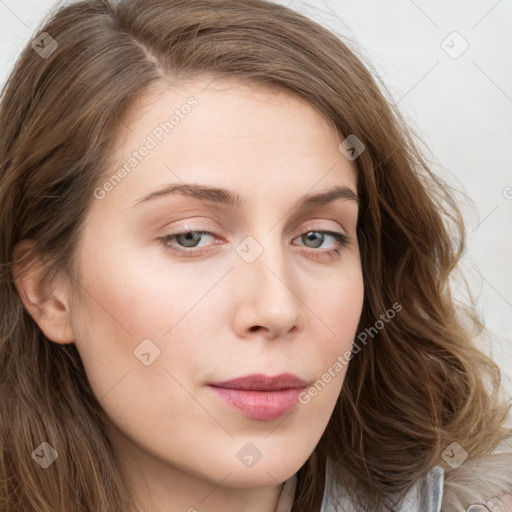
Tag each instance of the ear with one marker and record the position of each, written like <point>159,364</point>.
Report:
<point>46,300</point>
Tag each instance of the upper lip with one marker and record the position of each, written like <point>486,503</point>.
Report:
<point>261,382</point>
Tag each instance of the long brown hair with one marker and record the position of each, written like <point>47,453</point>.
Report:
<point>418,385</point>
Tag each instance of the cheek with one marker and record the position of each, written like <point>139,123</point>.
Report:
<point>138,306</point>
<point>138,319</point>
<point>135,299</point>
<point>341,315</point>
<point>339,310</point>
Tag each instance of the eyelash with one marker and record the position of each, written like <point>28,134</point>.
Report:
<point>342,240</point>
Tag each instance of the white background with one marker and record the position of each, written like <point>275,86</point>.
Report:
<point>461,107</point>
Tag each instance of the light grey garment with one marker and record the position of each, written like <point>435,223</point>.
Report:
<point>425,496</point>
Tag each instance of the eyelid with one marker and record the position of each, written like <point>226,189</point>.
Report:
<point>320,226</point>
<point>340,237</point>
<point>312,225</point>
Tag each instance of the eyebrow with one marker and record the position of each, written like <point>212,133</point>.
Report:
<point>234,200</point>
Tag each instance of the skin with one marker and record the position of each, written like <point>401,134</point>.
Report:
<point>213,316</point>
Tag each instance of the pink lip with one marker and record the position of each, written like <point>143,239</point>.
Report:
<point>259,396</point>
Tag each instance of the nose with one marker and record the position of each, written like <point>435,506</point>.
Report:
<point>268,300</point>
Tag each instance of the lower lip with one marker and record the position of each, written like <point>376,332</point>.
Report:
<point>260,405</point>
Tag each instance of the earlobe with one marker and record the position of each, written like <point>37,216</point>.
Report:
<point>45,299</point>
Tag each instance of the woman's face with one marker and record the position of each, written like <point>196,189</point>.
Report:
<point>160,315</point>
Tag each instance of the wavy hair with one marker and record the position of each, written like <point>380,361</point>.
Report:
<point>417,386</point>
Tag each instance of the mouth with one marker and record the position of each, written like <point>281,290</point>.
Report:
<point>261,397</point>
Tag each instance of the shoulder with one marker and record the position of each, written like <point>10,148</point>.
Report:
<point>501,504</point>
<point>481,484</point>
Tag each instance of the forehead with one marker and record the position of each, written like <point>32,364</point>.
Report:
<point>246,137</point>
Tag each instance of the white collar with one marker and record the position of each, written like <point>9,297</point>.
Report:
<point>424,496</point>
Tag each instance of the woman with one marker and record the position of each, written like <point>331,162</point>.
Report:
<point>226,277</point>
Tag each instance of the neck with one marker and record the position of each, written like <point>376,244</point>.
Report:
<point>157,486</point>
